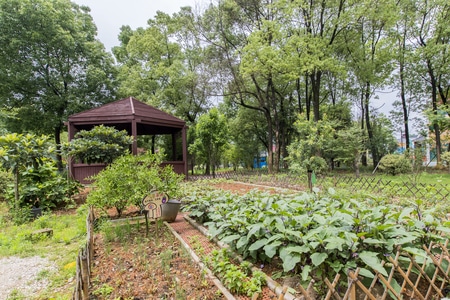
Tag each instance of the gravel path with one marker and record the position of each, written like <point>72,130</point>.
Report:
<point>22,274</point>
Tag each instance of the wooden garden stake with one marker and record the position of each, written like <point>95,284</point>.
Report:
<point>283,292</point>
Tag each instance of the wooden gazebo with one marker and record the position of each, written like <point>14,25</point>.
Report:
<point>137,118</point>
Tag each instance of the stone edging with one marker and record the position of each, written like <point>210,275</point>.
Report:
<point>272,284</point>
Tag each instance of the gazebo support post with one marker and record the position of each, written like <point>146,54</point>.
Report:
<point>134,134</point>
<point>174,146</point>
<point>185,154</point>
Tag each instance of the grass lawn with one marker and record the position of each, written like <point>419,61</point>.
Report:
<point>69,228</point>
<point>422,177</point>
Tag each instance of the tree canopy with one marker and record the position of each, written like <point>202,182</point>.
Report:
<point>52,64</point>
<point>260,63</point>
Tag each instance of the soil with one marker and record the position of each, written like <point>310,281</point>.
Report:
<point>129,265</point>
<point>133,266</point>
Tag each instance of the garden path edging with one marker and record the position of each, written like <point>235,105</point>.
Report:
<point>272,284</point>
<point>202,266</point>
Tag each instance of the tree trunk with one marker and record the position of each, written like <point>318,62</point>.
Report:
<point>404,105</point>
<point>373,146</point>
<point>315,85</point>
<point>58,148</point>
<point>364,154</point>
<point>434,100</point>
<point>207,168</point>
<point>307,98</point>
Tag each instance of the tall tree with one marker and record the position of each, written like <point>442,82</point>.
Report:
<point>212,135</point>
<point>51,63</point>
<point>313,28</point>
<point>247,41</point>
<point>164,64</point>
<point>432,40</point>
<point>368,49</point>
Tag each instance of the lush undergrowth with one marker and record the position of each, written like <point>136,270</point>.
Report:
<point>61,247</point>
<point>319,234</point>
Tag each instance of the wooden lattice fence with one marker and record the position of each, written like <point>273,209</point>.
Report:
<point>409,277</point>
<point>371,184</point>
<point>84,261</point>
<point>408,189</point>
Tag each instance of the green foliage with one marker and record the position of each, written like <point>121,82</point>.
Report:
<point>37,182</point>
<point>129,178</point>
<point>237,278</point>
<point>318,235</point>
<point>45,187</point>
<point>446,158</point>
<point>101,144</point>
<point>105,290</point>
<point>211,134</point>
<point>310,144</point>
<point>5,180</point>
<point>53,70</point>
<point>394,164</point>
<point>165,64</point>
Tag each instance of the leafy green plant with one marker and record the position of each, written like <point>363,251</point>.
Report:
<point>237,278</point>
<point>316,235</point>
<point>105,290</point>
<point>37,182</point>
<point>101,144</point>
<point>446,159</point>
<point>129,178</point>
<point>5,179</point>
<point>395,164</point>
<point>20,152</point>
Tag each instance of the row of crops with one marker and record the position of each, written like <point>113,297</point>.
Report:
<point>316,235</point>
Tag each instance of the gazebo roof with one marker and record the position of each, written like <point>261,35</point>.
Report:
<point>122,113</point>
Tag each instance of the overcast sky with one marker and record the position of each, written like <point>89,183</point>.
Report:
<point>110,15</point>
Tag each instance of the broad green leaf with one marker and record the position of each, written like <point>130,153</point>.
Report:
<point>443,229</point>
<point>373,241</point>
<point>366,273</point>
<point>318,258</point>
<point>405,240</point>
<point>280,224</point>
<point>254,229</point>
<point>336,265</point>
<point>241,242</point>
<point>305,272</point>
<point>406,213</point>
<point>371,260</point>
<point>271,249</point>
<point>297,249</point>
<point>258,244</point>
<point>290,261</point>
<point>334,243</point>
<point>415,251</point>
<point>228,239</point>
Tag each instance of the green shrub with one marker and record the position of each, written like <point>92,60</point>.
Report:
<point>129,178</point>
<point>30,159</point>
<point>43,186</point>
<point>101,144</point>
<point>5,180</point>
<point>394,164</point>
<point>446,159</point>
